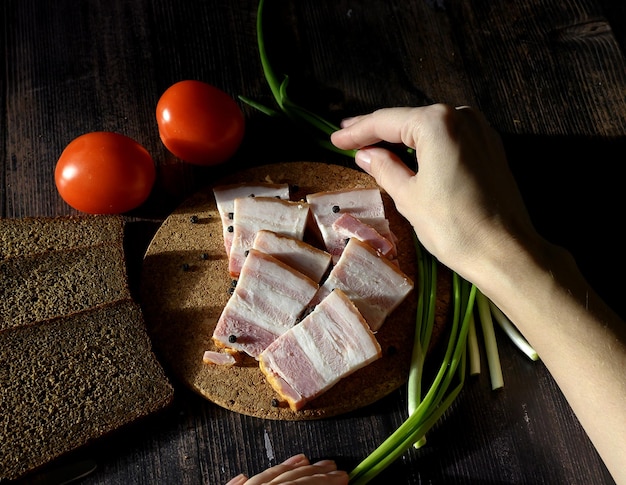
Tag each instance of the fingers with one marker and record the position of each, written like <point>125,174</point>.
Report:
<point>322,472</point>
<point>361,131</point>
<point>238,480</point>
<point>271,473</point>
<point>297,469</point>
<point>401,125</point>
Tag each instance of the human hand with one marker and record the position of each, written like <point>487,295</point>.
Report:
<point>467,211</point>
<point>297,469</point>
<point>463,201</point>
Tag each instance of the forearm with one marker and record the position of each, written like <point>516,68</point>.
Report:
<point>579,339</point>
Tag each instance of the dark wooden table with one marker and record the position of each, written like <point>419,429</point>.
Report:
<point>550,75</point>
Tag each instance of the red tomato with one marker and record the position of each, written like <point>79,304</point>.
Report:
<point>104,173</point>
<point>199,123</point>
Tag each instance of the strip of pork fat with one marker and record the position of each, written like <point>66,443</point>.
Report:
<point>365,204</point>
<point>268,300</point>
<point>375,284</point>
<point>225,196</point>
<point>332,342</point>
<point>301,256</point>
<point>218,358</point>
<point>349,226</point>
<point>252,214</point>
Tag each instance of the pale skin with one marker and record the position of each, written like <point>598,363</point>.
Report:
<point>465,208</point>
<point>297,470</point>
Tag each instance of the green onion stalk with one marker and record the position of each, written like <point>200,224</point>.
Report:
<point>444,389</point>
<point>472,349</point>
<point>424,408</point>
<point>425,319</point>
<point>320,127</point>
<point>491,346</point>
<point>513,333</point>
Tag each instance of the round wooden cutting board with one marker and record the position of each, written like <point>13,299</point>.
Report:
<point>184,287</point>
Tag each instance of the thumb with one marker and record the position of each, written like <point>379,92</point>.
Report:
<point>390,173</point>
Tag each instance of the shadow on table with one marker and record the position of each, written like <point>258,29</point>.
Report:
<point>574,190</point>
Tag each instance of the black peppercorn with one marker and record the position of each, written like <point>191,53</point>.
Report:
<point>230,228</point>
<point>336,209</point>
<point>275,402</point>
<point>231,215</point>
<point>204,256</point>
<point>232,339</point>
<point>193,219</point>
<point>185,267</point>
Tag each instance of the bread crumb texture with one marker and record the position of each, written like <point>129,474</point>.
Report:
<point>60,282</point>
<point>31,235</point>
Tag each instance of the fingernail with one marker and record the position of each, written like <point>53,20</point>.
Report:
<point>363,159</point>
<point>324,463</point>
<point>346,122</point>
<point>294,460</point>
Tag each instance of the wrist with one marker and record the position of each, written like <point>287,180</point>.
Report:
<point>525,268</point>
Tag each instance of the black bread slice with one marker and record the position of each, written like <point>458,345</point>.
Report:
<point>67,381</point>
<point>30,235</point>
<point>46,285</point>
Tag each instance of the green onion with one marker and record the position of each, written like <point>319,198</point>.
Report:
<point>425,319</point>
<point>442,392</point>
<point>491,345</point>
<point>321,129</point>
<point>472,348</point>
<point>513,333</point>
